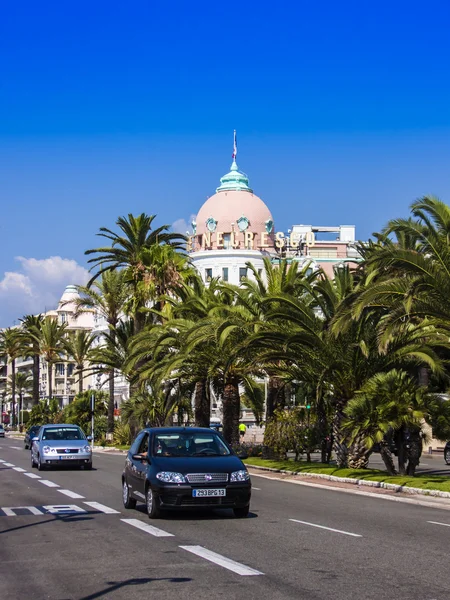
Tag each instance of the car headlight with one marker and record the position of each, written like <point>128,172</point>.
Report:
<point>48,450</point>
<point>240,475</point>
<point>86,449</point>
<point>169,477</point>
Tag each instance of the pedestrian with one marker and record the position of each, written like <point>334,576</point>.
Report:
<point>242,429</point>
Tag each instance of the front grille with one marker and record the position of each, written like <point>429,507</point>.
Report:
<point>68,451</point>
<point>207,477</point>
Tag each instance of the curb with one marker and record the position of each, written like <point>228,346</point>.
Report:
<point>361,482</point>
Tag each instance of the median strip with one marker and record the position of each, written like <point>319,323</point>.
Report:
<point>327,528</point>
<point>147,528</point>
<point>222,561</point>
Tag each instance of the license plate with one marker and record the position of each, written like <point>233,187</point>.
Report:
<point>209,493</point>
<point>67,456</point>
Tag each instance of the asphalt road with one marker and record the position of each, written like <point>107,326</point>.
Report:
<point>73,541</point>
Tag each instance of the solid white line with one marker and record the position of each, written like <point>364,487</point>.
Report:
<point>147,528</point>
<point>102,508</point>
<point>222,561</point>
<point>48,483</point>
<point>437,523</point>
<point>32,475</point>
<point>19,469</point>
<point>328,528</point>
<point>70,494</point>
<point>8,465</point>
<point>259,489</point>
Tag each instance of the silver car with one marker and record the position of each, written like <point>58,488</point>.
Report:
<point>61,444</point>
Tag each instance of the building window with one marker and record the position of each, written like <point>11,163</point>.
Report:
<point>242,273</point>
<point>63,317</point>
<point>227,240</point>
<point>208,274</point>
<point>70,368</point>
<point>60,369</point>
<point>225,273</point>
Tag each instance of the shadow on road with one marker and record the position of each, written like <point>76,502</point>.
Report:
<point>117,585</point>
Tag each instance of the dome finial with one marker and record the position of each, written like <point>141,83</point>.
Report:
<point>235,179</point>
<point>234,166</point>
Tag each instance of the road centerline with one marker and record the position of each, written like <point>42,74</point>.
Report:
<point>327,528</point>
<point>49,483</point>
<point>70,494</point>
<point>102,508</point>
<point>147,528</point>
<point>222,561</point>
<point>437,523</point>
<point>32,475</point>
<point>19,469</point>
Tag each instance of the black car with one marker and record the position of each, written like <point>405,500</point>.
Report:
<point>184,468</point>
<point>447,453</point>
<point>30,434</point>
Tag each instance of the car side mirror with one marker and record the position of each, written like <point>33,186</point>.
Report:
<point>89,438</point>
<point>35,439</point>
<point>242,455</point>
<point>139,457</point>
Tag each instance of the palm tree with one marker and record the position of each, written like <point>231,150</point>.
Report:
<point>53,338</point>
<point>32,328</point>
<point>133,249</point>
<point>23,384</point>
<point>11,347</point>
<point>79,346</point>
<point>108,296</point>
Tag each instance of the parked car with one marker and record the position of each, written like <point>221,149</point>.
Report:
<point>2,431</point>
<point>60,444</point>
<point>30,434</point>
<point>184,468</point>
<point>447,453</point>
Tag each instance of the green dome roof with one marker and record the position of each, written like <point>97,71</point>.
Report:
<point>235,180</point>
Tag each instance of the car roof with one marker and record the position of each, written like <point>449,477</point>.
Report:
<point>59,425</point>
<point>179,429</point>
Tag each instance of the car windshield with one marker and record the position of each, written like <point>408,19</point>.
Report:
<point>63,433</point>
<point>189,444</point>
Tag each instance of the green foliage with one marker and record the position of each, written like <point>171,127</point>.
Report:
<point>122,433</point>
<point>45,412</point>
<point>78,412</point>
<point>289,431</point>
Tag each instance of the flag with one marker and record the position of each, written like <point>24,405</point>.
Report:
<point>233,156</point>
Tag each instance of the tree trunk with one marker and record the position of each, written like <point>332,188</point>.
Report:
<point>36,368</point>
<point>414,452</point>
<point>275,396</point>
<point>322,427</point>
<point>386,454</point>
<point>339,446</point>
<point>50,380</point>
<point>401,450</point>
<point>202,405</point>
<point>358,455</point>
<point>231,411</point>
<point>20,406</point>
<point>80,380</point>
<point>110,426</point>
<point>13,392</point>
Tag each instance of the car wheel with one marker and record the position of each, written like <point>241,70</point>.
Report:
<point>26,446</point>
<point>88,467</point>
<point>40,465</point>
<point>447,457</point>
<point>151,502</point>
<point>241,513</point>
<point>128,501</point>
<point>33,463</point>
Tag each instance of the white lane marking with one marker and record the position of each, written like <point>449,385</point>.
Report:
<point>147,528</point>
<point>1,460</point>
<point>63,509</point>
<point>222,561</point>
<point>327,528</point>
<point>259,489</point>
<point>102,508</point>
<point>48,483</point>
<point>70,494</point>
<point>9,512</point>
<point>437,523</point>
<point>16,447</point>
<point>8,465</point>
<point>19,469</point>
<point>32,475</point>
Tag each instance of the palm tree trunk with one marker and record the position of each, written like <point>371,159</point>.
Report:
<point>400,444</point>
<point>36,368</point>
<point>80,380</point>
<point>339,446</point>
<point>275,396</point>
<point>20,406</point>
<point>110,427</point>
<point>414,452</point>
<point>386,455</point>
<point>322,427</point>
<point>50,380</point>
<point>13,391</point>
<point>358,455</point>
<point>231,411</point>
<point>202,404</point>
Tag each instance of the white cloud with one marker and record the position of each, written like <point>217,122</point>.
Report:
<point>181,225</point>
<point>36,286</point>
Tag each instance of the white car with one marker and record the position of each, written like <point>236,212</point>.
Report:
<point>61,444</point>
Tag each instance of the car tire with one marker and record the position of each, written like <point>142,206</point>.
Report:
<point>26,446</point>
<point>33,464</point>
<point>151,502</point>
<point>128,501</point>
<point>88,467</point>
<point>40,465</point>
<point>447,457</point>
<point>241,513</point>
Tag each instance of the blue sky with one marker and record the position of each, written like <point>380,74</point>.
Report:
<point>341,108</point>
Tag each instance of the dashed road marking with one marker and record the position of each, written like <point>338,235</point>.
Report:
<point>222,561</point>
<point>8,464</point>
<point>11,510</point>
<point>437,523</point>
<point>1,460</point>
<point>48,483</point>
<point>102,508</point>
<point>19,469</point>
<point>327,528</point>
<point>147,528</point>
<point>63,509</point>
<point>32,475</point>
<point>70,494</point>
